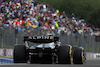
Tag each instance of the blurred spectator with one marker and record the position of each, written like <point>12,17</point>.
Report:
<point>28,15</point>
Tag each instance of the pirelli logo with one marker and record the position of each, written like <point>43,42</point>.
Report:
<point>40,37</point>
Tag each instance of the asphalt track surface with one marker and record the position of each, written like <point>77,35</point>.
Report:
<point>89,63</point>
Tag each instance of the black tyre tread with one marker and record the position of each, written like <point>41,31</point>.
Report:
<point>64,55</point>
<point>77,56</point>
<point>20,54</point>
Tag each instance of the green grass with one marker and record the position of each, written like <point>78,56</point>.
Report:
<point>93,58</point>
<point>6,56</point>
<point>7,46</point>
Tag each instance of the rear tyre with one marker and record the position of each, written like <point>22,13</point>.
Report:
<point>20,54</point>
<point>78,55</point>
<point>64,56</point>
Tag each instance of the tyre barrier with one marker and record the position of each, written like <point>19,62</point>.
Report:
<point>6,61</point>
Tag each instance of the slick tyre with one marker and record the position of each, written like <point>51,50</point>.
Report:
<point>64,56</point>
<point>19,54</point>
<point>78,56</point>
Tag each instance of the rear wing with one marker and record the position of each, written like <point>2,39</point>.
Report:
<point>41,39</point>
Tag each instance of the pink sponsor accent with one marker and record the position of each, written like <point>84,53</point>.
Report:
<point>29,52</point>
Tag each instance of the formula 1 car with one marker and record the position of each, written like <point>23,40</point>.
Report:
<point>47,49</point>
